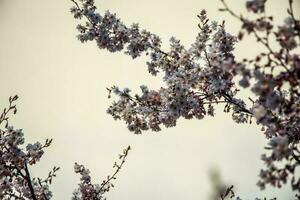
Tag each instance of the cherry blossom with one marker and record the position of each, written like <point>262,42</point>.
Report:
<point>198,77</point>
<point>15,162</point>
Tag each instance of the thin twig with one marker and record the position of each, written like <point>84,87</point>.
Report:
<point>113,176</point>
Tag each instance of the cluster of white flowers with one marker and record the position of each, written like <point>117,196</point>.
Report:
<point>87,190</point>
<point>202,75</point>
<point>196,78</point>
<point>286,34</point>
<point>35,151</point>
<point>275,78</point>
<point>15,179</point>
<point>277,176</point>
<point>110,33</point>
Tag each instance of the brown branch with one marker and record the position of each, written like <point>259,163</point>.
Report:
<point>230,100</point>
<point>76,4</point>
<point>28,179</point>
<point>207,59</point>
<point>226,8</point>
<point>40,183</point>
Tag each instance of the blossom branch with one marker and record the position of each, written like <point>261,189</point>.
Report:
<point>263,41</point>
<point>192,88</point>
<point>11,107</point>
<point>88,190</point>
<point>105,185</point>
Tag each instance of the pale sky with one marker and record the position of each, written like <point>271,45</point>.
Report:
<point>61,84</point>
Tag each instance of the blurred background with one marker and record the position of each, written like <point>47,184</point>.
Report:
<point>61,84</point>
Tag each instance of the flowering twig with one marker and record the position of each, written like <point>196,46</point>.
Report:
<point>11,107</point>
<point>105,185</point>
<point>88,190</point>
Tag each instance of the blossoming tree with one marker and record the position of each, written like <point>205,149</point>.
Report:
<point>197,78</point>
<point>15,161</point>
<point>205,74</point>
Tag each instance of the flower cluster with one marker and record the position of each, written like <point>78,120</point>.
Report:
<point>87,190</point>
<point>15,160</point>
<point>202,75</point>
<point>15,181</point>
<point>196,77</point>
<point>274,175</point>
<point>110,33</point>
<point>275,78</point>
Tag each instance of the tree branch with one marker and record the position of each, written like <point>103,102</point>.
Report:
<point>28,179</point>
